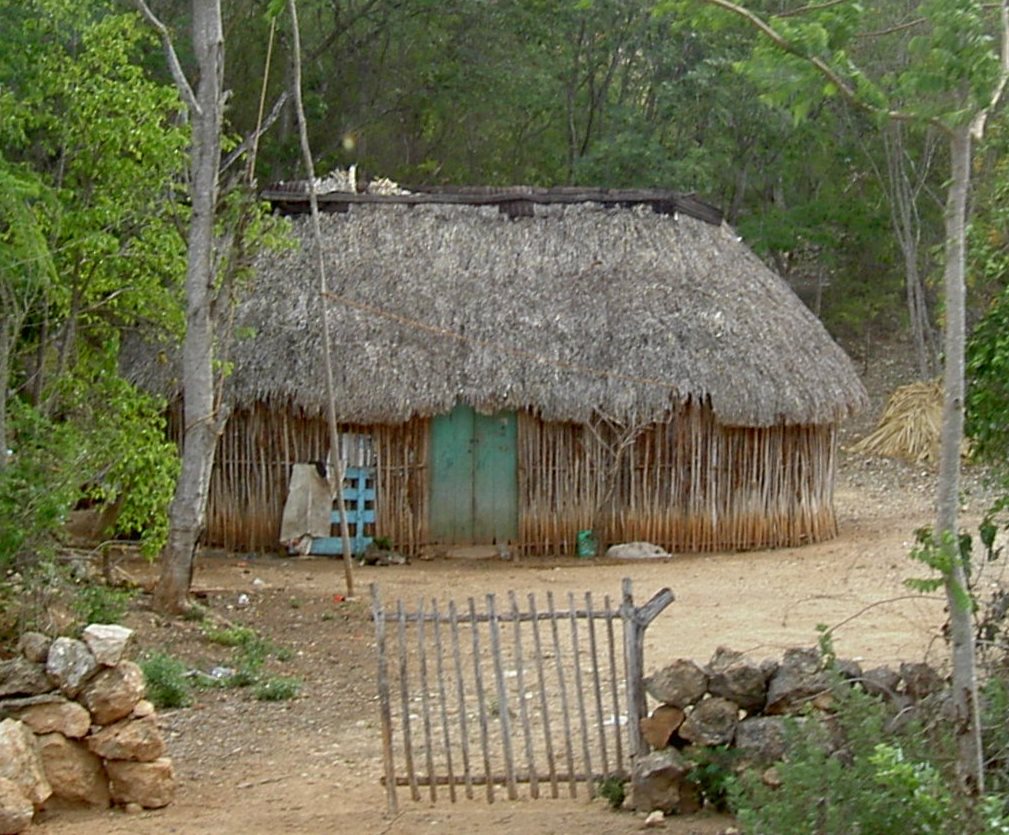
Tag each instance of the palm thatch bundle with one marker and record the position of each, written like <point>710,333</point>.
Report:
<point>574,310</point>
<point>910,426</point>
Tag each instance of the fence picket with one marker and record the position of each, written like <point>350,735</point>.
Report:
<point>565,681</point>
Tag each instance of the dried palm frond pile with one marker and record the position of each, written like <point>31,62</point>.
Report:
<point>910,425</point>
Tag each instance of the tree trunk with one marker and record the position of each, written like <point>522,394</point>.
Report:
<point>201,423</point>
<point>967,724</point>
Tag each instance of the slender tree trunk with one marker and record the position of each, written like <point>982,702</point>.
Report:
<point>336,464</point>
<point>201,423</point>
<point>967,724</point>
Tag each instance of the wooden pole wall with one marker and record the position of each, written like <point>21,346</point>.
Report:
<point>686,484</point>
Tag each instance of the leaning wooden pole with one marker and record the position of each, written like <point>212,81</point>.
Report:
<point>336,463</point>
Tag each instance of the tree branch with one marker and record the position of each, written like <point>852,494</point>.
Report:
<point>813,7</point>
<point>173,60</point>
<point>843,87</point>
<point>253,137</point>
<point>978,125</point>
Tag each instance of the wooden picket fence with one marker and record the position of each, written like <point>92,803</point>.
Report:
<point>535,695</point>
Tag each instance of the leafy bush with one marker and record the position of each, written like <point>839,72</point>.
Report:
<point>167,684</point>
<point>101,604</point>
<point>37,486</point>
<point>277,689</point>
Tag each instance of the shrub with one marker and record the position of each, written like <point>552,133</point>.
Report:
<point>101,604</point>
<point>167,684</point>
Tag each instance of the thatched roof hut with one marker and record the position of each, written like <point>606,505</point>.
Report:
<point>661,382</point>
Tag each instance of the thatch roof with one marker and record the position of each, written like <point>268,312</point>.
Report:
<point>622,306</point>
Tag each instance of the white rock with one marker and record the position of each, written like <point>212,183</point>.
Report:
<point>107,642</point>
<point>70,664</point>
<point>636,551</point>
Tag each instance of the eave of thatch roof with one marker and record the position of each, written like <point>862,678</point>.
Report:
<point>578,308</point>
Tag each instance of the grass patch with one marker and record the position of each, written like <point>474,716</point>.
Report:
<point>277,689</point>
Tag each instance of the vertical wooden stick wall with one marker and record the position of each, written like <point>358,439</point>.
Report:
<point>252,474</point>
<point>687,484</point>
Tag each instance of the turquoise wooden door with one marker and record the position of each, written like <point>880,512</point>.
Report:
<point>474,477</point>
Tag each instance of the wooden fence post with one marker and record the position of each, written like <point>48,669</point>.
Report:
<point>636,621</point>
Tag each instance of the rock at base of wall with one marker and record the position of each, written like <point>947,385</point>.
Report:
<point>74,773</point>
<point>16,810</point>
<point>21,763</point>
<point>151,785</point>
<point>658,782</point>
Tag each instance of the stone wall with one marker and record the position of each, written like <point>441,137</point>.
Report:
<point>74,727</point>
<point>734,702</point>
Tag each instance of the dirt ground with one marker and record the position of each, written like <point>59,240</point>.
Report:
<point>313,765</point>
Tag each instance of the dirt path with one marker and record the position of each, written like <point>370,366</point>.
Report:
<point>312,765</point>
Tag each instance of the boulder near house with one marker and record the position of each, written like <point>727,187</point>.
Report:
<point>519,365</point>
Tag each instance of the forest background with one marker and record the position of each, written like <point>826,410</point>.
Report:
<point>613,93</point>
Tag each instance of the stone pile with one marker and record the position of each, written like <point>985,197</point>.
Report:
<point>734,702</point>
<point>75,727</point>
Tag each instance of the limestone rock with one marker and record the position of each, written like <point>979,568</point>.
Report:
<point>21,677</point>
<point>712,722</point>
<point>70,664</point>
<point>20,761</point>
<point>661,725</point>
<point>107,642</point>
<point>34,646</point>
<point>114,692</point>
<point>129,739</point>
<point>151,785</point>
<point>920,680</point>
<point>13,706</point>
<point>16,810</point>
<point>761,739</point>
<point>637,551</point>
<point>74,773</point>
<point>142,708</point>
<point>798,681</point>
<point>658,780</point>
<point>738,680</point>
<point>63,716</point>
<point>680,684</point>
<point>881,681</point>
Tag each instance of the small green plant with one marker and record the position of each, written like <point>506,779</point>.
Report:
<point>231,636</point>
<point>101,604</point>
<point>277,689</point>
<point>613,790</point>
<point>167,684</point>
<point>713,773</point>
<point>382,543</point>
<point>294,603</point>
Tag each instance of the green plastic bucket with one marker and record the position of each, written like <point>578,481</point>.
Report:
<point>586,544</point>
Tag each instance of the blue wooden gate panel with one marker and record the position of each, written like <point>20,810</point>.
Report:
<point>359,501</point>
